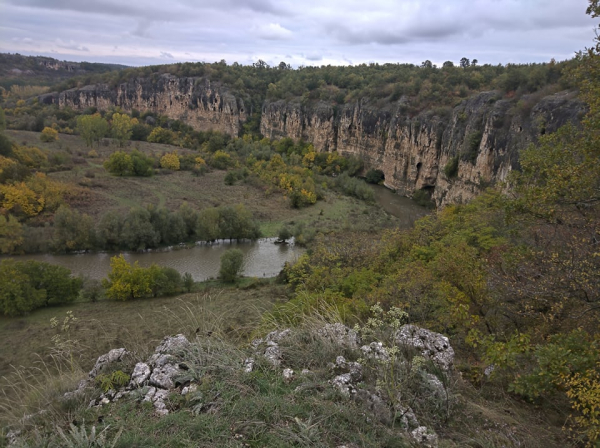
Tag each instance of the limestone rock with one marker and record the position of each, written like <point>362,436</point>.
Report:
<point>432,345</point>
<point>141,373</point>
<point>164,376</point>
<point>375,350</point>
<point>425,437</point>
<point>346,382</point>
<point>376,405</point>
<point>272,351</point>
<point>407,417</point>
<point>103,362</point>
<point>340,335</point>
<point>157,397</point>
<point>288,375</point>
<point>273,354</point>
<point>173,345</point>
<point>248,365</point>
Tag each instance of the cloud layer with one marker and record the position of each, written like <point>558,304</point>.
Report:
<point>300,32</point>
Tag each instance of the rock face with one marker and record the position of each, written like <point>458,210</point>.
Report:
<point>484,132</point>
<point>482,135</point>
<point>198,102</point>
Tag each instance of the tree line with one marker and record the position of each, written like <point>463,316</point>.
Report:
<point>151,227</point>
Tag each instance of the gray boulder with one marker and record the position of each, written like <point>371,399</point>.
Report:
<point>433,346</point>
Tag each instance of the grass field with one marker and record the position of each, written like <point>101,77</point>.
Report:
<point>138,324</point>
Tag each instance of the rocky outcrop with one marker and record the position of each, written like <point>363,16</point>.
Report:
<point>198,102</point>
<point>482,136</point>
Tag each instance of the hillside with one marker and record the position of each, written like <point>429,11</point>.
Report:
<point>16,69</point>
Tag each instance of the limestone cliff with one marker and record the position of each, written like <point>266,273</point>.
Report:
<point>198,102</point>
<point>484,133</point>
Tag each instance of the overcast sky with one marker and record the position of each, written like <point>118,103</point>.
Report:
<point>300,32</point>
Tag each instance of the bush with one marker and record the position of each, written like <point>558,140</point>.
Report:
<point>170,161</point>
<point>119,163</point>
<point>374,176</point>
<point>161,135</point>
<point>423,198</point>
<point>92,290</point>
<point>49,135</point>
<point>232,263</point>
<point>472,143</point>
<point>451,168</point>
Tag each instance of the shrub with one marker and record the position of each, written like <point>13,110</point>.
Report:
<point>49,135</point>
<point>472,143</point>
<point>170,161</point>
<point>232,263</point>
<point>422,197</point>
<point>119,163</point>
<point>451,168</point>
<point>374,176</point>
<point>161,135</point>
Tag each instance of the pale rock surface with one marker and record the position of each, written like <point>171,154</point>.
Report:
<point>433,346</point>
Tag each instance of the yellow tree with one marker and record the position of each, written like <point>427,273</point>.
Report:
<point>121,127</point>
<point>19,198</point>
<point>170,161</point>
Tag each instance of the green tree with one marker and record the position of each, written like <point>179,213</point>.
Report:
<point>142,164</point>
<point>208,224</point>
<point>11,234</point>
<point>92,128</point>
<point>108,230</point>
<point>72,230</point>
<point>119,163</point>
<point>57,281</point>
<point>138,233</point>
<point>190,219</point>
<point>232,263</point>
<point>221,160</point>
<point>188,282</point>
<point>121,127</point>
<point>2,120</point>
<point>17,295</point>
<point>27,285</point>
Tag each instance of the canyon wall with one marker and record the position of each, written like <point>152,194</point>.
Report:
<point>482,136</point>
<point>452,153</point>
<point>198,102</point>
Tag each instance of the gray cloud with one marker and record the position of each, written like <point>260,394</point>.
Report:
<point>351,31</point>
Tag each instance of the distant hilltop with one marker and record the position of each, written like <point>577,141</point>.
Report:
<point>19,69</point>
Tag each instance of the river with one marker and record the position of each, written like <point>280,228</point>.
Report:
<point>403,208</point>
<point>262,258</point>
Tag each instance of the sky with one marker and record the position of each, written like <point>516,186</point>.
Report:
<point>298,32</point>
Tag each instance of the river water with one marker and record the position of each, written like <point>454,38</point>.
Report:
<point>262,258</point>
<point>403,208</point>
